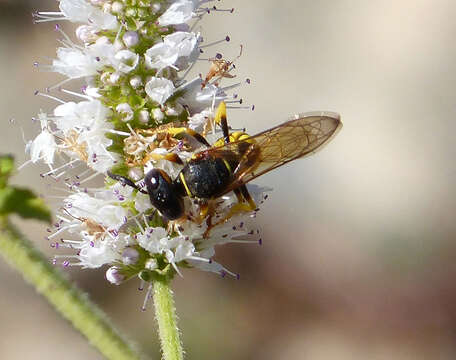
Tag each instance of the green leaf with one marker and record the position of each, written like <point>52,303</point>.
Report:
<point>6,169</point>
<point>24,203</point>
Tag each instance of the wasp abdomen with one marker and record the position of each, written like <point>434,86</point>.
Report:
<point>207,178</point>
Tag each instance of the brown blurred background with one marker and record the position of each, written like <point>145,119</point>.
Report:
<point>358,260</point>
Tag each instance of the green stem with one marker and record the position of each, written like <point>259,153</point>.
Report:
<point>65,297</point>
<point>165,312</point>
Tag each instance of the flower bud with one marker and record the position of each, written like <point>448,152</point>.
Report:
<point>130,38</point>
<point>86,33</point>
<point>114,276</point>
<point>151,264</point>
<point>158,115</point>
<point>130,256</point>
<point>116,7</point>
<point>125,111</point>
<point>136,81</point>
<point>143,116</point>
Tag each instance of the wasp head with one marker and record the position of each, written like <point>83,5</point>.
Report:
<point>164,195</point>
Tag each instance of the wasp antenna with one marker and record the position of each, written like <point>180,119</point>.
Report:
<point>125,181</point>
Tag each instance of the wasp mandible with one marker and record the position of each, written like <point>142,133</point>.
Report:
<point>235,160</point>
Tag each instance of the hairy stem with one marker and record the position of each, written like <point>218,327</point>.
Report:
<point>165,312</point>
<point>71,302</point>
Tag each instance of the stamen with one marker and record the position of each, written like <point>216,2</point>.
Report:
<point>226,39</point>
<point>49,96</point>
<point>173,264</point>
<point>86,97</point>
<point>46,16</point>
<point>141,285</point>
<point>139,225</point>
<point>90,178</point>
<point>117,132</point>
<point>58,84</point>
<point>60,167</point>
<point>147,297</point>
<point>226,271</point>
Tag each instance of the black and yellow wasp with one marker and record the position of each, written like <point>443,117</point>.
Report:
<point>235,160</point>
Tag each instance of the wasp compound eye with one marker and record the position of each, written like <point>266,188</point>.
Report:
<point>163,195</point>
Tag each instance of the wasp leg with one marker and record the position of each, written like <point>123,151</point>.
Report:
<point>247,197</point>
<point>178,131</point>
<point>242,193</point>
<point>170,157</point>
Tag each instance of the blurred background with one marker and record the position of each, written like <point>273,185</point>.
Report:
<point>358,258</point>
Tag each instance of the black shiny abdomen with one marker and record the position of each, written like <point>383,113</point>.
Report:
<point>207,177</point>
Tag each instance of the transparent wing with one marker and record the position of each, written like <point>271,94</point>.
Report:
<point>294,139</point>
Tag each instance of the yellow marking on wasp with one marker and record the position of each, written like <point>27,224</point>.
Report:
<point>227,166</point>
<point>220,113</point>
<point>185,185</point>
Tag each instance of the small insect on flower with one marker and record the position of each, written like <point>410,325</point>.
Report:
<point>220,68</point>
<point>235,160</point>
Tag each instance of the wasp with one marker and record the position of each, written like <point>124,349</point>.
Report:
<point>235,160</point>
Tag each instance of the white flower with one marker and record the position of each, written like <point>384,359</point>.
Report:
<point>178,13</point>
<point>75,63</point>
<point>183,250</point>
<point>142,202</point>
<point>82,115</point>
<point>155,240</point>
<point>43,148</point>
<point>127,61</point>
<point>159,89</point>
<point>197,99</point>
<point>97,253</point>
<point>176,50</point>
<point>108,215</point>
<point>82,11</point>
<point>199,120</point>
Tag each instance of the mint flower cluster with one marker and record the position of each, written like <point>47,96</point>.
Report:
<point>134,60</point>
